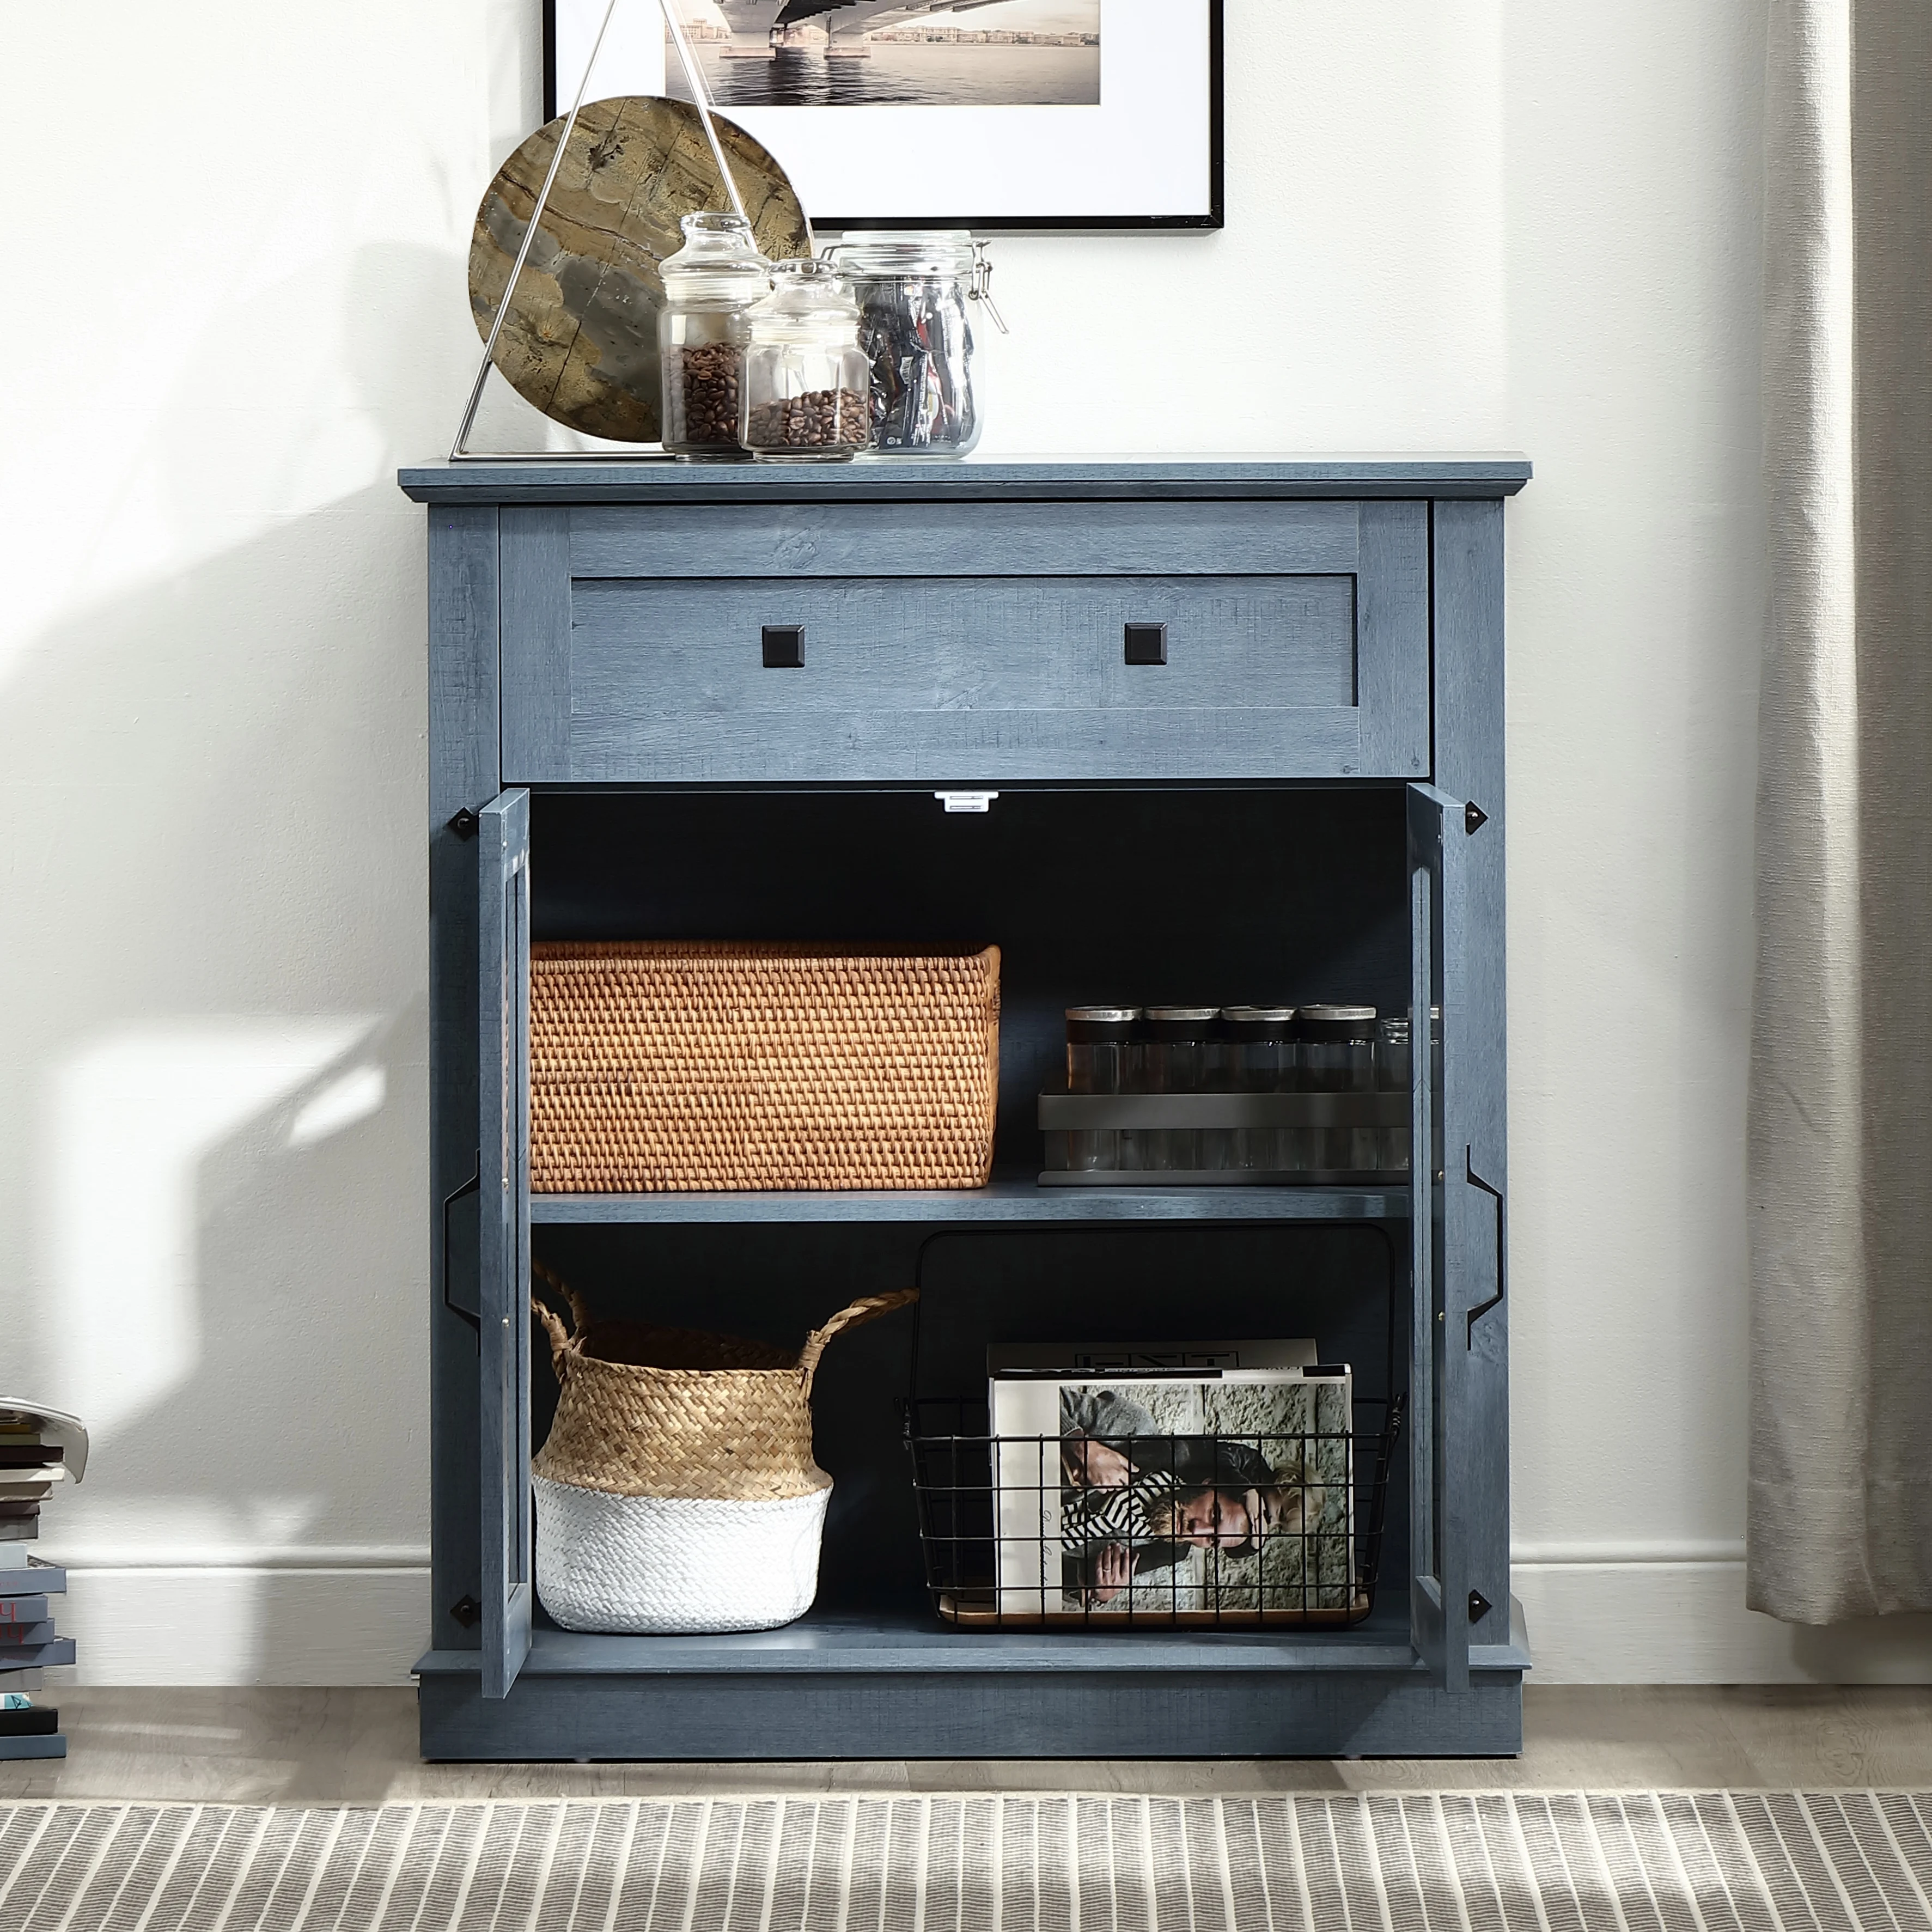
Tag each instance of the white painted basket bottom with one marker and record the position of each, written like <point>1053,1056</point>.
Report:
<point>658,1564</point>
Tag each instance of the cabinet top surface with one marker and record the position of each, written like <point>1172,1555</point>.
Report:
<point>652,479</point>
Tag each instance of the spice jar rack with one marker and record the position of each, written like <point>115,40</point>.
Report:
<point>1215,1120</point>
<point>1259,1097</point>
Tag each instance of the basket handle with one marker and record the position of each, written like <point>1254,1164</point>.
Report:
<point>563,1341</point>
<point>866,1310</point>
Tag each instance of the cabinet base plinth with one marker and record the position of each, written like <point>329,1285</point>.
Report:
<point>846,1714</point>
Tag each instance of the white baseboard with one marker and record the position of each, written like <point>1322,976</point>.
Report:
<point>352,1618</point>
<point>277,1622</point>
<point>1670,1620</point>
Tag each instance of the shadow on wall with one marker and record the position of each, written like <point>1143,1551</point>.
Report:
<point>214,1165</point>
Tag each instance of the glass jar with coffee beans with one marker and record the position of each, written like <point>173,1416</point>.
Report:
<point>710,285</point>
<point>805,373</point>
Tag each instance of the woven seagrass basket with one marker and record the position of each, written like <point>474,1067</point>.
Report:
<point>677,1490</point>
<point>672,1066</point>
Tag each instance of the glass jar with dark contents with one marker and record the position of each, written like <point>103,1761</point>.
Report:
<point>915,288</point>
<point>710,284</point>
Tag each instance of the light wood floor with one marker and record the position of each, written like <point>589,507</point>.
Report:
<point>358,1746</point>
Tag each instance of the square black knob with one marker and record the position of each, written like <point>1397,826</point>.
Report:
<point>784,646</point>
<point>1146,643</point>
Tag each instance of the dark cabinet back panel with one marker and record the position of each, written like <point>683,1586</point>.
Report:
<point>1346,1287</point>
<point>1227,896</point>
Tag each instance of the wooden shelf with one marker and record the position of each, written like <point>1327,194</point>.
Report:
<point>876,1641</point>
<point>1015,1200</point>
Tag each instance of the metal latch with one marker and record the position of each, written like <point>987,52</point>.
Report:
<point>981,287</point>
<point>967,801</point>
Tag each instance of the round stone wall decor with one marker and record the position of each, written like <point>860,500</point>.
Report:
<point>580,340</point>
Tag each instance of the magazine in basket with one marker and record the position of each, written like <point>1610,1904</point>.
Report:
<point>1190,1497</point>
<point>1130,1358</point>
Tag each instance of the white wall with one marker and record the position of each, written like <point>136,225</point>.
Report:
<point>238,303</point>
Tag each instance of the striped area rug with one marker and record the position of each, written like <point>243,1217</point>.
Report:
<point>1647,1862</point>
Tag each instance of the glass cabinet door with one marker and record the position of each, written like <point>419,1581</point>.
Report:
<point>1436,937</point>
<point>503,1012</point>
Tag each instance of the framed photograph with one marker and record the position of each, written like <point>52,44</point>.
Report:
<point>989,115</point>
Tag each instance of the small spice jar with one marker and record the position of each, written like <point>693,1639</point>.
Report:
<point>1099,1047</point>
<point>1392,1076</point>
<point>914,287</point>
<point>1338,1056</point>
<point>1262,1054</point>
<point>805,374</point>
<point>709,285</point>
<point>1177,1050</point>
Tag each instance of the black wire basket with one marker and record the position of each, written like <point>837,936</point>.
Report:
<point>1035,1531</point>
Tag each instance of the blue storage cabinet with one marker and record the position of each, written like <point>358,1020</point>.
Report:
<point>670,701</point>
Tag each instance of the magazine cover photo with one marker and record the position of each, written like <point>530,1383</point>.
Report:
<point>1178,1498</point>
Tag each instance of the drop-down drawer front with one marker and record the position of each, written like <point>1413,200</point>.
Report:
<point>968,642</point>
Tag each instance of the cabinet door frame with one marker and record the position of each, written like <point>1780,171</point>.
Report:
<point>503,1244</point>
<point>1468,606</point>
<point>1439,1625</point>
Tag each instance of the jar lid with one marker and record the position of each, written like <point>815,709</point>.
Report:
<point>719,261</point>
<point>904,251</point>
<point>810,301</point>
<point>1171,1013</point>
<point>1101,1026</point>
<point>1260,1025</point>
<point>1338,1025</point>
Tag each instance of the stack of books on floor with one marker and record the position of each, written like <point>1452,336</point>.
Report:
<point>40,1450</point>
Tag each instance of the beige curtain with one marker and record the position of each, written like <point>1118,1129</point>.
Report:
<point>1841,1120</point>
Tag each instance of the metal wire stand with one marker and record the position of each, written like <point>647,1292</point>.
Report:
<point>460,451</point>
<point>1001,1553</point>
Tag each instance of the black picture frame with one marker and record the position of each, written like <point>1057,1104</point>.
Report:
<point>1215,217</point>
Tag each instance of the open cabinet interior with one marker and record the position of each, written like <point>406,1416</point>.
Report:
<point>1227,896</point>
<point>1224,896</point>
<point>1345,1285</point>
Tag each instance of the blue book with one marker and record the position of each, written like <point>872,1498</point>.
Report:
<point>32,1578</point>
<point>34,1656</point>
<point>18,1747</point>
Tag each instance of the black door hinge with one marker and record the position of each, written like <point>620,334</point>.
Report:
<point>467,1612</point>
<point>1474,818</point>
<point>1479,1607</point>
<point>465,823</point>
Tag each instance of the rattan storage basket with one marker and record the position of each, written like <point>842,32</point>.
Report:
<point>672,1065</point>
<point>677,1490</point>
